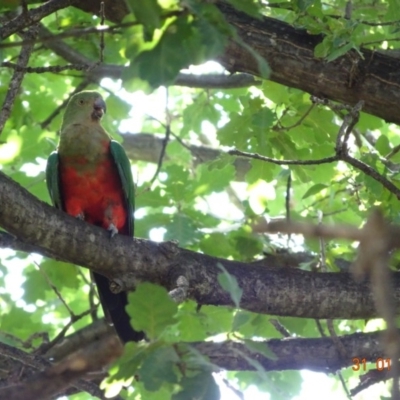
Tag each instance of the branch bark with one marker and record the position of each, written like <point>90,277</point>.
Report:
<point>147,147</point>
<point>288,51</point>
<point>316,354</point>
<point>290,55</point>
<point>266,289</point>
<point>55,378</point>
<point>34,16</point>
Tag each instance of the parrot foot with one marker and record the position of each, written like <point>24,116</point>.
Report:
<point>113,230</point>
<point>80,216</point>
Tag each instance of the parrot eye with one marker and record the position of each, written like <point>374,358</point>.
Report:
<point>80,101</point>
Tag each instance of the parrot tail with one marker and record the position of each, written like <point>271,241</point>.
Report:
<point>114,310</point>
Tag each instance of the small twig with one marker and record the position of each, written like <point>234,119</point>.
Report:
<point>372,173</point>
<point>348,11</point>
<point>341,351</point>
<point>256,156</point>
<point>58,110</point>
<point>393,152</point>
<point>344,385</point>
<point>34,15</point>
<point>320,328</point>
<point>328,103</point>
<point>43,349</point>
<point>280,328</point>
<point>18,76</point>
<point>287,201</point>
<point>9,28</point>
<point>322,258</point>
<point>349,121</point>
<point>24,7</point>
<point>55,289</point>
<point>166,140</point>
<point>237,392</point>
<point>44,336</point>
<point>103,17</point>
<point>302,118</point>
<point>72,33</point>
<point>42,70</point>
<point>93,306</point>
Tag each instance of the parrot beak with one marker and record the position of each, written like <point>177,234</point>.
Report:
<point>99,108</point>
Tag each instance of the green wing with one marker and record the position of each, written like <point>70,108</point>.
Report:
<point>124,169</point>
<point>53,179</point>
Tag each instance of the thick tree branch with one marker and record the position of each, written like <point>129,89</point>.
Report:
<point>54,379</point>
<point>266,289</point>
<point>290,55</point>
<point>288,51</point>
<point>316,354</point>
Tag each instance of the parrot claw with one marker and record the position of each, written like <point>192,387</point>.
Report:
<point>113,230</point>
<point>80,216</point>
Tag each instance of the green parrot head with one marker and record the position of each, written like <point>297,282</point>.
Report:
<point>83,107</point>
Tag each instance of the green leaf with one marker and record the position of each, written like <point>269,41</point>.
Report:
<point>383,145</point>
<point>148,13</point>
<point>340,51</point>
<point>229,283</point>
<point>240,319</point>
<point>261,170</point>
<point>191,322</point>
<point>393,12</point>
<point>263,118</point>
<point>214,176</point>
<point>158,368</point>
<point>182,229</point>
<point>250,7</point>
<point>197,41</point>
<point>151,309</point>
<point>322,49</point>
<point>200,387</point>
<point>314,190</point>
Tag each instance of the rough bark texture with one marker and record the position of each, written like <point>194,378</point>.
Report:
<point>289,53</point>
<point>266,289</point>
<point>316,354</point>
<point>375,78</point>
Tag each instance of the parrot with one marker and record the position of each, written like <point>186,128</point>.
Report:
<point>89,177</point>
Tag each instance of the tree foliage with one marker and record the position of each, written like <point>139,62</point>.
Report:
<point>297,122</point>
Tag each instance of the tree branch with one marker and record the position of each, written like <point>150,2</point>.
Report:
<point>18,75</point>
<point>34,16</point>
<point>147,147</point>
<point>348,79</point>
<point>97,72</point>
<point>54,379</point>
<point>316,354</point>
<point>266,289</point>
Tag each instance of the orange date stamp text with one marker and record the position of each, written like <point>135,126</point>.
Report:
<point>381,364</point>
